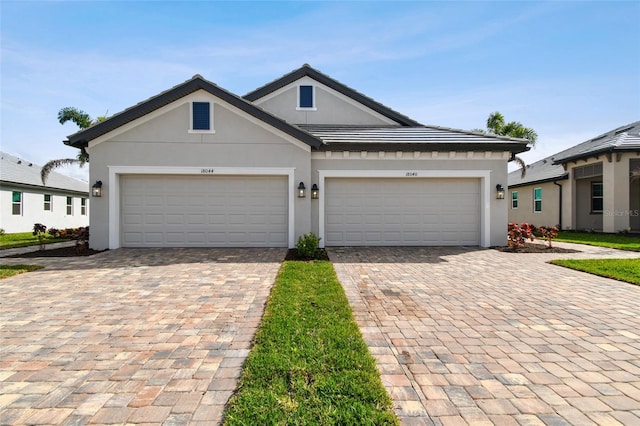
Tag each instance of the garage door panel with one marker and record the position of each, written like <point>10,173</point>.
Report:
<point>402,211</point>
<point>215,211</point>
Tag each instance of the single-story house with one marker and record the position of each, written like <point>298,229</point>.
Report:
<point>198,166</point>
<point>62,203</point>
<point>587,187</point>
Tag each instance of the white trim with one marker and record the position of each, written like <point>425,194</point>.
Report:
<point>116,171</point>
<point>313,106</point>
<point>483,175</point>
<point>410,155</point>
<point>537,199</point>
<point>308,81</point>
<point>211,130</point>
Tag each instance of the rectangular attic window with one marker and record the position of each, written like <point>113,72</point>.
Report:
<point>305,97</point>
<point>201,116</point>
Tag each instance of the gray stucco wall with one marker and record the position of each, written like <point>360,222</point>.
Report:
<point>164,141</point>
<point>549,216</point>
<point>584,218</point>
<point>330,109</point>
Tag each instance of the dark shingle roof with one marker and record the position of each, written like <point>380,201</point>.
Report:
<point>81,138</point>
<point>16,170</point>
<point>623,138</point>
<point>307,71</point>
<point>407,138</point>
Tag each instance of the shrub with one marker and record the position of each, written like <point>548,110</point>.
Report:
<point>53,232</point>
<point>548,234</point>
<point>40,231</point>
<point>82,239</point>
<point>1,232</point>
<point>307,245</point>
<point>519,234</point>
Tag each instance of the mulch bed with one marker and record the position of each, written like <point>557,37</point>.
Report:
<point>293,254</point>
<point>535,248</point>
<point>57,252</point>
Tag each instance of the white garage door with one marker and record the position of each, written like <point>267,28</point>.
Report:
<point>203,211</point>
<point>396,212</point>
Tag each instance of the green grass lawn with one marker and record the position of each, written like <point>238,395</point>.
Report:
<point>622,242</point>
<point>619,269</point>
<point>7,271</point>
<point>309,364</point>
<point>24,239</point>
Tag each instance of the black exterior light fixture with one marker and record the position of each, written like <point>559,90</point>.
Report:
<point>499,192</point>
<point>301,190</point>
<point>314,192</point>
<point>96,189</point>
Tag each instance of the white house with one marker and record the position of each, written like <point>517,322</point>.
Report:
<point>62,203</point>
<point>198,166</point>
<point>586,187</point>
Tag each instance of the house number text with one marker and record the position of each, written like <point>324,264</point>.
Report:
<point>206,171</point>
<point>411,174</point>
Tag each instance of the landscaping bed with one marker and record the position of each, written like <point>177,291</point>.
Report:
<point>57,252</point>
<point>535,248</point>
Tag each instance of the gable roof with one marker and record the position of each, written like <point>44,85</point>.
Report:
<point>395,138</point>
<point>623,138</point>
<point>22,172</point>
<point>197,82</point>
<point>307,71</point>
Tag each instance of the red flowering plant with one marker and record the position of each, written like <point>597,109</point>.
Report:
<point>517,235</point>
<point>548,234</point>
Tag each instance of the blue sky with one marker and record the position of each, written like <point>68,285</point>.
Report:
<point>570,70</point>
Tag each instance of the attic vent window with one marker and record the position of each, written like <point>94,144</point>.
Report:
<point>306,98</point>
<point>201,117</point>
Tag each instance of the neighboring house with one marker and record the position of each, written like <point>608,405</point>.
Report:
<point>62,203</point>
<point>199,166</point>
<point>586,187</point>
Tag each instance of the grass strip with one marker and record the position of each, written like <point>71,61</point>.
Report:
<point>627,270</point>
<point>7,271</point>
<point>616,241</point>
<point>25,239</point>
<point>309,364</point>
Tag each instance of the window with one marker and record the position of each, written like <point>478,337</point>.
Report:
<point>514,199</point>
<point>596,197</point>
<point>69,206</point>
<point>47,202</point>
<point>305,97</point>
<point>537,200</point>
<point>83,206</point>
<point>201,116</point>
<point>16,203</point>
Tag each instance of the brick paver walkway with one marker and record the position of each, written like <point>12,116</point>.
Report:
<point>472,336</point>
<point>130,336</point>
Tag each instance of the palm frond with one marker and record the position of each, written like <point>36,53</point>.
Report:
<point>54,164</point>
<point>522,164</point>
<point>81,118</point>
<point>495,123</point>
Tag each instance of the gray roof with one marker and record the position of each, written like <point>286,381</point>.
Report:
<point>623,138</point>
<point>541,171</point>
<point>18,171</point>
<point>341,137</point>
<point>307,71</point>
<point>82,138</point>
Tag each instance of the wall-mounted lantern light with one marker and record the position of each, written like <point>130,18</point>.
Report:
<point>314,192</point>
<point>499,192</point>
<point>96,189</point>
<point>301,190</point>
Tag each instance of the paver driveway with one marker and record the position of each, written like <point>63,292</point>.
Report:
<point>480,337</point>
<point>130,336</point>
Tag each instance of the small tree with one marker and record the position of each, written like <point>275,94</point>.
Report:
<point>40,231</point>
<point>548,234</point>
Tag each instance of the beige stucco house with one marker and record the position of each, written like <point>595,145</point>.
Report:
<point>586,187</point>
<point>198,166</point>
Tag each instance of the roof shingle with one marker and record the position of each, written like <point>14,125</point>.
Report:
<point>16,170</point>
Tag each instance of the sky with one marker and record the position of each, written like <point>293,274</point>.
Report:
<point>568,69</point>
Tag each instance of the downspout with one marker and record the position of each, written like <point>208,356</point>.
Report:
<point>560,203</point>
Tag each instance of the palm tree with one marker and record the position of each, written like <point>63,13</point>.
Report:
<point>496,125</point>
<point>83,121</point>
